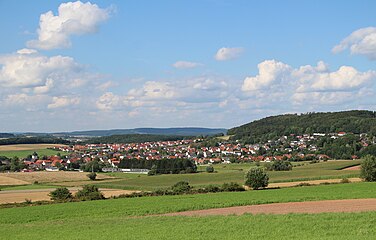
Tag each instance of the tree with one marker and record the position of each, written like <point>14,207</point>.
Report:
<point>210,169</point>
<point>256,178</point>
<point>368,169</point>
<point>89,192</point>
<point>92,176</point>
<point>181,187</point>
<point>61,194</point>
<point>15,164</point>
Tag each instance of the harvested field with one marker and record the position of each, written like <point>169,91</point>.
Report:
<point>50,177</point>
<point>18,147</point>
<point>18,196</point>
<point>348,205</point>
<point>311,182</point>
<point>352,168</point>
<point>8,181</point>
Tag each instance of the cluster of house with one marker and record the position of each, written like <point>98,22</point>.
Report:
<point>110,155</point>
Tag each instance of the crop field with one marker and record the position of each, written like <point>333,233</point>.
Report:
<point>233,173</point>
<point>122,218</point>
<point>23,150</point>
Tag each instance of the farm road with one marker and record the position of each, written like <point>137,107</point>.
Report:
<point>347,205</point>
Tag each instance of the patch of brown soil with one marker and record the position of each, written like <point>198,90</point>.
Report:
<point>5,181</point>
<point>348,205</point>
<point>352,168</point>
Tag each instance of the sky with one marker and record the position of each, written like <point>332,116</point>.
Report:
<point>201,63</point>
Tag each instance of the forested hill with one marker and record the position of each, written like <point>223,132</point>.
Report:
<point>134,138</point>
<point>331,122</point>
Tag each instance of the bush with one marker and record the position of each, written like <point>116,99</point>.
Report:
<point>368,169</point>
<point>181,187</point>
<point>209,169</point>
<point>89,192</point>
<point>61,194</point>
<point>92,176</point>
<point>232,187</point>
<point>280,166</point>
<point>256,178</point>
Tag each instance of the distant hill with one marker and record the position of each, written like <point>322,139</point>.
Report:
<point>188,131</point>
<point>134,138</point>
<point>276,126</point>
<point>6,135</point>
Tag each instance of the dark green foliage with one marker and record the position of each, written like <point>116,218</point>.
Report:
<point>61,194</point>
<point>16,165</point>
<point>89,192</point>
<point>280,166</point>
<point>32,140</point>
<point>232,187</point>
<point>92,176</point>
<point>181,187</point>
<point>368,169</point>
<point>276,126</point>
<point>256,178</point>
<point>163,166</point>
<point>210,169</point>
<point>93,166</point>
<point>135,138</point>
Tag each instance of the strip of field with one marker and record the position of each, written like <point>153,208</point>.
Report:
<point>18,196</point>
<point>18,147</point>
<point>111,218</point>
<point>348,205</point>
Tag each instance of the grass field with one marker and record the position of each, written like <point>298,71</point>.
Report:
<point>232,173</point>
<point>110,218</point>
<point>23,150</point>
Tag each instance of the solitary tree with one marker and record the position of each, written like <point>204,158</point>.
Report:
<point>368,169</point>
<point>210,169</point>
<point>256,178</point>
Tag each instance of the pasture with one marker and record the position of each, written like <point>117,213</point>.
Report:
<point>120,218</point>
<point>23,150</point>
<point>233,173</point>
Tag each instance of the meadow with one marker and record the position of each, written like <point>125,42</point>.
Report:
<point>122,218</point>
<point>23,150</point>
<point>233,173</point>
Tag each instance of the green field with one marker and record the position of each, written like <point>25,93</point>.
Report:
<point>25,153</point>
<point>232,173</point>
<point>111,218</point>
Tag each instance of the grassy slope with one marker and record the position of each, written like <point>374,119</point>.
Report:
<point>232,173</point>
<point>25,153</point>
<point>109,218</point>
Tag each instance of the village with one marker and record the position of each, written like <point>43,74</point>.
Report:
<point>293,148</point>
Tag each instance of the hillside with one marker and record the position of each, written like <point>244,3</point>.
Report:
<point>134,138</point>
<point>273,127</point>
<point>185,131</point>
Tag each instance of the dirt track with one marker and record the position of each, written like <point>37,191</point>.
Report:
<point>12,196</point>
<point>348,205</point>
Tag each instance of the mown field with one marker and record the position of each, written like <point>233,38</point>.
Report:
<point>23,150</point>
<point>233,173</point>
<point>121,218</point>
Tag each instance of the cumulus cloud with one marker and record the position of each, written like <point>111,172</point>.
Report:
<point>73,18</point>
<point>108,101</point>
<point>224,54</point>
<point>186,65</point>
<point>38,71</point>
<point>361,41</point>
<point>270,71</point>
<point>59,102</point>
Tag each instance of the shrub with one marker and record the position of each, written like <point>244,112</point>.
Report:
<point>280,166</point>
<point>209,169</point>
<point>212,188</point>
<point>232,187</point>
<point>256,178</point>
<point>61,194</point>
<point>181,187</point>
<point>92,176</point>
<point>89,192</point>
<point>368,169</point>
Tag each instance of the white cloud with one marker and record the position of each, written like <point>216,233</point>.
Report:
<point>108,101</point>
<point>224,53</point>
<point>59,102</point>
<point>73,18</point>
<point>270,72</point>
<point>155,90</point>
<point>361,41</point>
<point>186,65</point>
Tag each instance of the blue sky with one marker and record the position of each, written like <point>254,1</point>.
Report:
<point>125,64</point>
